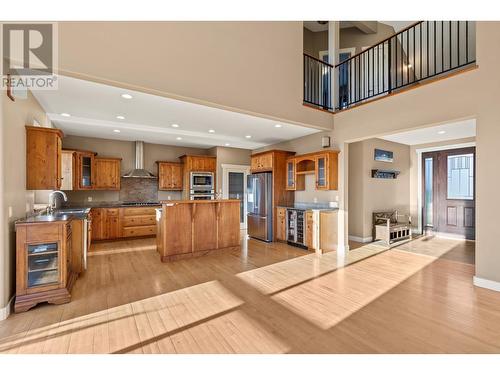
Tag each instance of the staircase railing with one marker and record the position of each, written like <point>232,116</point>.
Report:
<point>318,82</point>
<point>419,52</point>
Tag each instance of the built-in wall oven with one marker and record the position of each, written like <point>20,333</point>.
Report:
<point>201,186</point>
<point>295,223</point>
<point>201,181</point>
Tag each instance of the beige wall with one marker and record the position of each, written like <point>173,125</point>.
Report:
<point>126,151</point>
<point>251,67</point>
<point>369,194</point>
<point>15,198</point>
<point>350,37</point>
<point>439,102</point>
<point>229,155</point>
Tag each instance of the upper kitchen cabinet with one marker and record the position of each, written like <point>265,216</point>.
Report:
<point>169,175</point>
<point>327,176</point>
<point>107,173</point>
<point>262,162</point>
<point>43,158</point>
<point>199,163</point>
<point>84,170</point>
<point>322,164</point>
<point>68,166</point>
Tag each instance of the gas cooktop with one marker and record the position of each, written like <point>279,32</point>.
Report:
<point>141,203</point>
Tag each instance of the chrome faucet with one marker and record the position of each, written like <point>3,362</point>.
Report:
<point>52,203</point>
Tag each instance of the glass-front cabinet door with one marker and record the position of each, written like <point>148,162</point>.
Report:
<point>290,175</point>
<point>321,172</point>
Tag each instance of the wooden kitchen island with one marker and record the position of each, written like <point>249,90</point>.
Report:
<point>190,228</point>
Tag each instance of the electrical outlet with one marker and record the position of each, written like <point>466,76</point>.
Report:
<point>169,198</point>
<point>10,212</point>
<point>89,199</point>
<point>315,200</point>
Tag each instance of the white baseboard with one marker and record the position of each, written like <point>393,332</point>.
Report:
<point>485,283</point>
<point>5,311</point>
<point>361,239</point>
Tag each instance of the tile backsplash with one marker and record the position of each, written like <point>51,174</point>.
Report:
<point>138,189</point>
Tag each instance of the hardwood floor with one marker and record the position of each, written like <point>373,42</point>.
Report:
<point>268,298</point>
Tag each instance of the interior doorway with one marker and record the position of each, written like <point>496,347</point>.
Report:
<point>234,186</point>
<point>448,192</point>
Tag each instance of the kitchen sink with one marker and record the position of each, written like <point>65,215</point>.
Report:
<point>69,211</point>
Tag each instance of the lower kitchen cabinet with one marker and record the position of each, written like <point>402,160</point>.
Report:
<point>310,230</point>
<point>123,222</point>
<point>44,270</point>
<point>281,224</point>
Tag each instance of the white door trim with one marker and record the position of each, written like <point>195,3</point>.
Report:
<point>226,168</point>
<point>420,151</point>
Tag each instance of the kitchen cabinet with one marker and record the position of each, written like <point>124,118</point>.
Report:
<point>322,164</point>
<point>199,163</point>
<point>281,224</point>
<point>262,162</point>
<point>138,221</point>
<point>309,230</point>
<point>169,176</point>
<point>107,173</point>
<point>122,222</point>
<point>43,158</point>
<point>326,171</point>
<point>43,263</point>
<point>84,170</point>
<point>67,168</point>
<point>290,175</point>
<point>111,224</point>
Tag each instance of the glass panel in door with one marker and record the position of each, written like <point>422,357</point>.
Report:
<point>86,171</point>
<point>290,180</point>
<point>236,190</point>
<point>321,173</point>
<point>428,192</point>
<point>461,176</point>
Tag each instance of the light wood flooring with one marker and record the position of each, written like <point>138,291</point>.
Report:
<point>268,298</point>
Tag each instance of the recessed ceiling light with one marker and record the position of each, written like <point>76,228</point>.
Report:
<point>117,131</point>
<point>65,115</point>
<point>278,126</point>
<point>227,144</point>
<point>127,96</point>
<point>179,138</point>
<point>441,132</point>
<point>175,125</point>
<point>248,136</point>
<point>120,117</point>
<point>211,131</point>
<point>409,66</point>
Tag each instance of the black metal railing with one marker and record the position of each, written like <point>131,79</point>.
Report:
<point>318,82</point>
<point>423,50</point>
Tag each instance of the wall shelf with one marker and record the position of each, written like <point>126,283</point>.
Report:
<point>385,173</point>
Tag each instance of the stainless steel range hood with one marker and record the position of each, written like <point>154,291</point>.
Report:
<point>139,171</point>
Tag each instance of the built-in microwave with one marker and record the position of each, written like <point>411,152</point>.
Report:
<point>202,181</point>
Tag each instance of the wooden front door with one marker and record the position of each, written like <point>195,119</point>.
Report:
<point>449,192</point>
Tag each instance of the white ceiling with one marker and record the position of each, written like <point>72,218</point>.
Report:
<point>452,131</point>
<point>93,108</point>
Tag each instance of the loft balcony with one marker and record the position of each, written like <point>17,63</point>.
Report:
<point>418,53</point>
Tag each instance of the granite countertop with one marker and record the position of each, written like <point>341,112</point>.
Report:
<point>311,206</point>
<point>106,204</point>
<point>56,216</point>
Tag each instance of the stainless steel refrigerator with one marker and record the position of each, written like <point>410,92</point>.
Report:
<point>260,206</point>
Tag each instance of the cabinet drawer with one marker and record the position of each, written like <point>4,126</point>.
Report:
<point>132,221</point>
<point>136,211</point>
<point>139,231</point>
